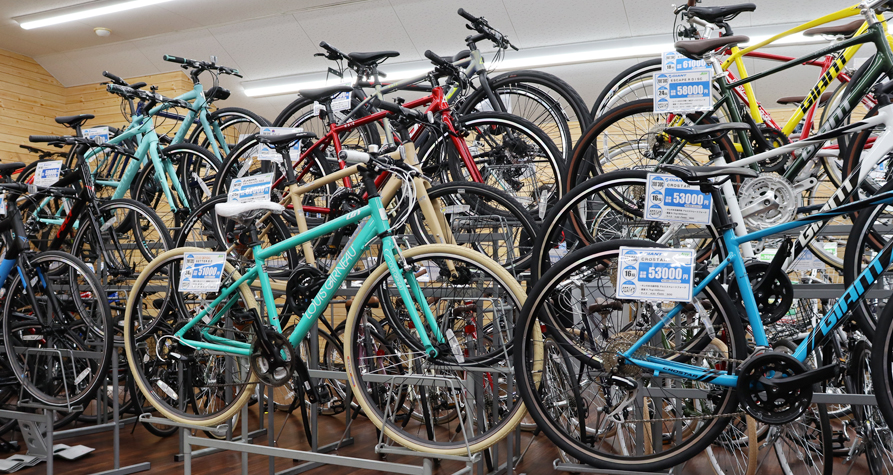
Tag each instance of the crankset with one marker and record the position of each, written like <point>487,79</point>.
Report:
<point>274,362</point>
<point>776,388</point>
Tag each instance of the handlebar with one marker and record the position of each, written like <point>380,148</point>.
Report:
<point>201,66</point>
<point>467,16</point>
<point>115,79</point>
<point>485,31</point>
<point>44,138</point>
<point>21,188</point>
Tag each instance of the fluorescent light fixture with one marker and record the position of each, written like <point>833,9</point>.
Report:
<point>80,12</point>
<point>273,87</point>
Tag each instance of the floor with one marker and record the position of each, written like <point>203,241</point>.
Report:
<point>138,445</point>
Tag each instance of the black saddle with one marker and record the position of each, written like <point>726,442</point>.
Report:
<point>74,121</point>
<point>323,93</point>
<point>787,100</point>
<point>697,133</point>
<point>368,59</point>
<point>457,57</point>
<point>284,139</point>
<point>702,175</point>
<point>698,48</point>
<point>720,14</point>
<point>7,169</point>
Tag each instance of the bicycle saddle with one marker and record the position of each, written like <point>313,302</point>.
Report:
<point>799,99</point>
<point>695,133</point>
<point>322,93</point>
<point>246,211</point>
<point>7,169</point>
<point>458,56</point>
<point>276,140</point>
<point>720,14</point>
<point>74,120</point>
<point>698,48</point>
<point>702,175</point>
<point>847,29</point>
<point>368,59</point>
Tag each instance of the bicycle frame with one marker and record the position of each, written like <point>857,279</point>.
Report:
<point>828,324</point>
<point>376,224</point>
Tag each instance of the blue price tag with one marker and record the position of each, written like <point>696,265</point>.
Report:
<point>683,92</point>
<point>202,271</point>
<point>677,62</point>
<point>655,274</point>
<point>672,200</point>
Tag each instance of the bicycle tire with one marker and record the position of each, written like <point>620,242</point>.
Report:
<point>135,362</point>
<point>356,378</point>
<point>534,314</point>
<point>638,71</point>
<point>299,113</point>
<point>227,117</point>
<point>532,84</point>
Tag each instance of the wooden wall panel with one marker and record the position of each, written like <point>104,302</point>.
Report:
<point>30,98</point>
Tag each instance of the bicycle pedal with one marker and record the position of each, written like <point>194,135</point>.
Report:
<point>241,316</point>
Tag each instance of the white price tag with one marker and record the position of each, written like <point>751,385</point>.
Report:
<point>341,102</point>
<point>807,261</point>
<point>682,92</point>
<point>266,153</point>
<point>202,271</point>
<point>250,188</point>
<point>879,173</point>
<point>47,173</point>
<point>454,346</point>
<point>98,134</point>
<point>655,274</point>
<point>672,200</point>
<point>677,62</point>
<point>3,204</point>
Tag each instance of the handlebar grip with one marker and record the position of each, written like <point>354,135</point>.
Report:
<point>115,79</point>
<point>431,55</point>
<point>326,46</point>
<point>354,156</point>
<point>174,59</point>
<point>396,109</point>
<point>472,18</point>
<point>45,138</point>
<point>138,85</point>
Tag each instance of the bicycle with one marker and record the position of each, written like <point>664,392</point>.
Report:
<point>57,323</point>
<point>178,335</point>
<point>541,98</point>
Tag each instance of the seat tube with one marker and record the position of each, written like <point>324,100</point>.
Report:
<point>266,289</point>
<point>160,173</point>
<point>212,135</point>
<point>744,286</point>
<point>748,87</point>
<point>297,201</point>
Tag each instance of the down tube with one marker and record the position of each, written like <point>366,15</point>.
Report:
<point>319,303</point>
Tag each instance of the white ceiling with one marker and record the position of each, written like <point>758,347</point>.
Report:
<point>273,38</point>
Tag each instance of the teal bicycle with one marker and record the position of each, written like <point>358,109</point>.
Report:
<point>451,311</point>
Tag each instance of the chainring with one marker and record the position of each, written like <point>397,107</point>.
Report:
<point>776,139</point>
<point>774,298</point>
<point>769,404</point>
<point>303,284</point>
<point>767,200</point>
<point>273,369</point>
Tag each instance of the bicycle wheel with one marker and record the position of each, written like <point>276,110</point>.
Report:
<point>875,435</point>
<point>196,170</point>
<point>631,136</point>
<point>634,419</point>
<point>511,154</point>
<point>870,232</point>
<point>482,218</point>
<point>411,397</point>
<point>244,161</point>
<point>58,338</point>
<point>635,82</point>
<point>234,123</point>
<point>300,114</point>
<point>541,98</point>
<point>204,229</point>
<point>171,375</point>
<point>130,235</point>
<point>610,207</point>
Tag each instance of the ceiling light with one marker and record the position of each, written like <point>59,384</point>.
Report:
<point>102,31</point>
<point>79,12</point>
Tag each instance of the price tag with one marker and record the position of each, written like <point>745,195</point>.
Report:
<point>879,173</point>
<point>266,153</point>
<point>683,92</point>
<point>672,200</point>
<point>655,274</point>
<point>676,62</point>
<point>454,346</point>
<point>47,173</point>
<point>3,204</point>
<point>250,188</point>
<point>98,134</point>
<point>807,261</point>
<point>341,102</point>
<point>202,271</point>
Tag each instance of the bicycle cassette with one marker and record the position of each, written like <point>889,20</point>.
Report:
<point>767,200</point>
<point>765,401</point>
